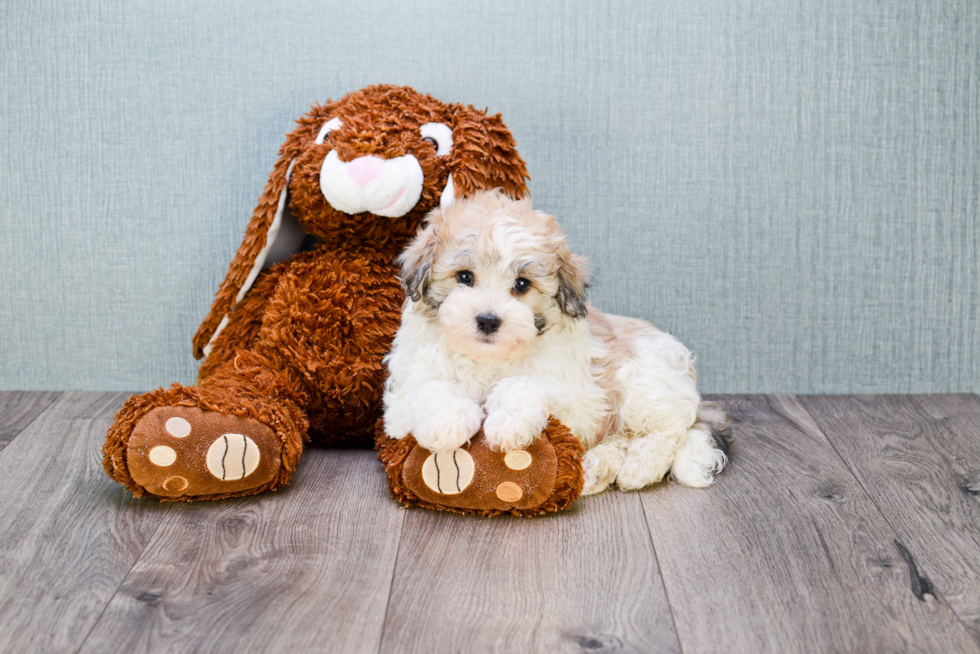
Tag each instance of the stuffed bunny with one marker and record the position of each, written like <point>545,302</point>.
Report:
<point>294,341</point>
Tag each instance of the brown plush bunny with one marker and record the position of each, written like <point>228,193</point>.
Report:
<point>294,341</point>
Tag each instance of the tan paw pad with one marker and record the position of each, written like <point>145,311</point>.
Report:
<point>178,427</point>
<point>233,456</point>
<point>518,459</point>
<point>175,484</point>
<point>509,492</point>
<point>448,473</point>
<point>163,456</point>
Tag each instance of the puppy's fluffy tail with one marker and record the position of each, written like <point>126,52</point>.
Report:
<point>705,452</point>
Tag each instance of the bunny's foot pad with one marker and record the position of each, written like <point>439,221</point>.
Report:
<point>545,477</point>
<point>182,452</point>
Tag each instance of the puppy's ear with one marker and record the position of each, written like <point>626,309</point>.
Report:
<point>417,259</point>
<point>573,281</point>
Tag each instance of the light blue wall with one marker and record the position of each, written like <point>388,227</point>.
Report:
<point>790,186</point>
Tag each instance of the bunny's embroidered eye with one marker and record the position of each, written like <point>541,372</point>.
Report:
<point>329,126</point>
<point>522,286</point>
<point>464,277</point>
<point>439,135</point>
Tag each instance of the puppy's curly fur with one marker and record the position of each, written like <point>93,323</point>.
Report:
<point>496,331</point>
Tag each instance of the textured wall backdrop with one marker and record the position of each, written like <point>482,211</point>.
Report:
<point>790,186</point>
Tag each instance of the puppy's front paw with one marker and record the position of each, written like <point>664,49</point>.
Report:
<point>399,420</point>
<point>515,427</point>
<point>449,427</point>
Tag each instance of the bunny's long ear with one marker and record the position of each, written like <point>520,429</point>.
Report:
<point>273,234</point>
<point>485,155</point>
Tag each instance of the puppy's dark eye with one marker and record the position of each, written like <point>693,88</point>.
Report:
<point>429,139</point>
<point>522,286</point>
<point>464,277</point>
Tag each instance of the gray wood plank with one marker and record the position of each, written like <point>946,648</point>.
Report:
<point>307,568</point>
<point>18,409</point>
<point>68,534</point>
<point>787,553</point>
<point>919,459</point>
<point>582,580</point>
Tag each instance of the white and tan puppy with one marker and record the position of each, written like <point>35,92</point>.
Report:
<point>496,331</point>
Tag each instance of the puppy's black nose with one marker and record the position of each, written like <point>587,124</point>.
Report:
<point>487,323</point>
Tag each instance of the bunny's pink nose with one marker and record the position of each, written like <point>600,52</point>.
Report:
<point>363,169</point>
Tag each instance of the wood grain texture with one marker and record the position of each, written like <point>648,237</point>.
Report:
<point>786,552</point>
<point>866,541</point>
<point>18,409</point>
<point>307,568</point>
<point>581,581</point>
<point>68,535</point>
<point>919,459</point>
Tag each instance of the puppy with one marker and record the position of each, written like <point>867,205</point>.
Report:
<point>496,331</point>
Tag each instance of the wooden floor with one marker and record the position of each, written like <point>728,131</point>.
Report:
<point>843,524</point>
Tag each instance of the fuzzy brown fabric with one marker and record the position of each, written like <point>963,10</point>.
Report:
<point>302,352</point>
<point>285,419</point>
<point>551,483</point>
<point>245,320</point>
